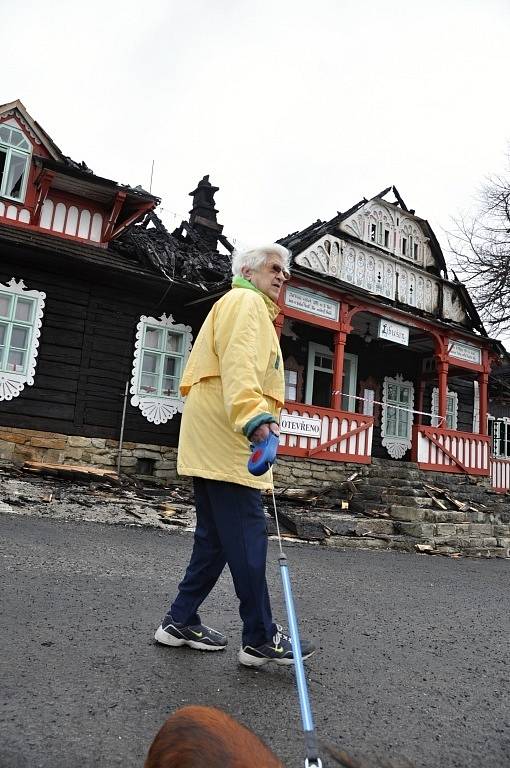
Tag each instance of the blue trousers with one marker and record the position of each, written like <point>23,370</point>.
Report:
<point>231,528</point>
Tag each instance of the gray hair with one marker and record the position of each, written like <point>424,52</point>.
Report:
<point>257,256</point>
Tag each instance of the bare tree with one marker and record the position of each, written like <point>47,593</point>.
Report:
<point>481,246</point>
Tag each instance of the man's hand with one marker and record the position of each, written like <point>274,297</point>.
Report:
<point>262,432</point>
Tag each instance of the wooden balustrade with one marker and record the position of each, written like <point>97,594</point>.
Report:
<point>500,474</point>
<point>446,450</point>
<point>341,435</point>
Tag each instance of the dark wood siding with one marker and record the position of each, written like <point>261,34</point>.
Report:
<point>86,350</point>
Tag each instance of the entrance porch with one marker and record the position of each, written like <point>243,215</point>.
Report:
<point>365,380</point>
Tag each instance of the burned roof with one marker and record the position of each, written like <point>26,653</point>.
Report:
<point>181,255</point>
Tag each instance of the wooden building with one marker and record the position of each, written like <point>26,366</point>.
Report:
<point>95,295</point>
<point>384,354</point>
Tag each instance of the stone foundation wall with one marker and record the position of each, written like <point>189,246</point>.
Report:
<point>20,445</point>
<point>290,471</point>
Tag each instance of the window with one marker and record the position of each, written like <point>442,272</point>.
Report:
<point>16,315</point>
<point>319,378</point>
<point>404,246</point>
<point>386,238</point>
<point>373,231</point>
<point>162,358</point>
<point>20,320</point>
<point>499,430</point>
<point>397,410</point>
<point>452,405</point>
<point>291,378</point>
<point>397,415</point>
<point>415,251</point>
<point>14,162</point>
<point>161,351</point>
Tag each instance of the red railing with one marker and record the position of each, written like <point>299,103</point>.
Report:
<point>446,450</point>
<point>500,474</point>
<point>341,435</point>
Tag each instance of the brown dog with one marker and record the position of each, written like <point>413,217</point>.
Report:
<point>203,737</point>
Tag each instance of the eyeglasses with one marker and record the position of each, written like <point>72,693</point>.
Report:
<point>277,269</point>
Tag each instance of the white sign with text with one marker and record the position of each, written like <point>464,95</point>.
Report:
<point>393,332</point>
<point>462,351</point>
<point>300,425</point>
<point>312,303</point>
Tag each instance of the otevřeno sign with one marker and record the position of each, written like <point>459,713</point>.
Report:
<point>393,332</point>
<point>300,425</point>
<point>312,303</point>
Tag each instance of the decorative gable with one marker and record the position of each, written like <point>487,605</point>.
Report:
<point>377,273</point>
<point>389,227</point>
<point>15,114</point>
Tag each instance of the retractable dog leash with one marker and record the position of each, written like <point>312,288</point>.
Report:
<point>261,460</point>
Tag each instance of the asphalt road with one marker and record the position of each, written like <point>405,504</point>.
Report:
<point>413,656</point>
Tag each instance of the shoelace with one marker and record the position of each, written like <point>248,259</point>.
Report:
<point>279,635</point>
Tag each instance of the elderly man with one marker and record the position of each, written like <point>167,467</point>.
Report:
<point>235,388</point>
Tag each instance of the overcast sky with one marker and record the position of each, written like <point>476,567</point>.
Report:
<point>295,108</point>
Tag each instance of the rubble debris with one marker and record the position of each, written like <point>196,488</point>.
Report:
<point>401,515</point>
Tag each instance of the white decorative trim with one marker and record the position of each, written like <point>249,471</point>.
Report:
<point>378,273</point>
<point>395,445</point>
<point>435,408</point>
<point>17,116</point>
<point>12,383</point>
<point>160,409</point>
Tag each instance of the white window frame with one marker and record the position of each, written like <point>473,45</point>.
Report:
<point>158,408</point>
<point>397,445</point>
<point>476,407</point>
<point>452,409</point>
<point>13,382</point>
<point>349,385</point>
<point>10,151</point>
<point>316,349</point>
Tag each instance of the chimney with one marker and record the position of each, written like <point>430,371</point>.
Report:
<point>203,213</point>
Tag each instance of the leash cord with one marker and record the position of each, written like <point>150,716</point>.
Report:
<point>312,759</point>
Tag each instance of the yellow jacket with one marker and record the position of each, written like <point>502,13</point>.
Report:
<point>234,382</point>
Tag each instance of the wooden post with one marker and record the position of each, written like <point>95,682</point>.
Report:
<point>441,357</point>
<point>483,392</point>
<point>442,370</point>
<point>338,370</point>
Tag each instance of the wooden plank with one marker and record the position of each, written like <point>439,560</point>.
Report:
<point>75,471</point>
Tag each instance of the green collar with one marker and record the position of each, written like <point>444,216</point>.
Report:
<point>242,282</point>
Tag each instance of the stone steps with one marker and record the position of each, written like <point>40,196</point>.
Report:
<point>417,518</point>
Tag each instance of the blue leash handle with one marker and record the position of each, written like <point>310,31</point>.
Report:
<point>263,455</point>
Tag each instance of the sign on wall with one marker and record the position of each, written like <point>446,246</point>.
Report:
<point>393,332</point>
<point>312,303</point>
<point>462,351</point>
<point>300,425</point>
